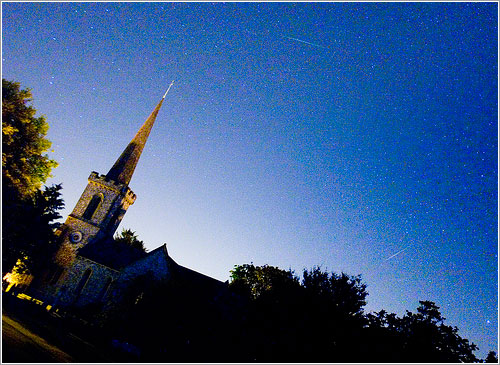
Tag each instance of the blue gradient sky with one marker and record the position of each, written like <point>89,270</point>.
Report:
<point>361,137</point>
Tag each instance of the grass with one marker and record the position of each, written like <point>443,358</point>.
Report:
<point>50,331</point>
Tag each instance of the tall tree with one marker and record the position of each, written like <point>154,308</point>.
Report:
<point>273,296</point>
<point>417,337</point>
<point>25,165</point>
<point>28,211</point>
<point>335,317</point>
<point>28,230</point>
<point>316,320</point>
<point>344,292</point>
<point>129,238</point>
<point>491,358</point>
<point>255,281</point>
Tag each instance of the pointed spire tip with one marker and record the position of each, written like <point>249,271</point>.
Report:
<point>166,92</point>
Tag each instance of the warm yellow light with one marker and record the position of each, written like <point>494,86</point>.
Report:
<point>16,277</point>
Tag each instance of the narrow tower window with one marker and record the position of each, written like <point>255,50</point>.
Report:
<point>92,207</point>
<point>82,283</point>
<point>105,289</point>
<point>56,275</point>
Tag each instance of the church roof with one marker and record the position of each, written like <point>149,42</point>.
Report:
<point>124,167</point>
<point>110,253</point>
<point>194,278</point>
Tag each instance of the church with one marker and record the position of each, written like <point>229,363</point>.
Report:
<point>90,269</point>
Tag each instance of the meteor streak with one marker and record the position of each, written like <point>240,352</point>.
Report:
<point>397,253</point>
<point>302,41</point>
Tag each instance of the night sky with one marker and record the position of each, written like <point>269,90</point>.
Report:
<point>361,137</point>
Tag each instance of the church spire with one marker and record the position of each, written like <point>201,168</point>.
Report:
<point>124,167</point>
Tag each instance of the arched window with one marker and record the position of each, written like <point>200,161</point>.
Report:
<point>104,289</point>
<point>93,205</point>
<point>82,283</point>
<point>55,274</point>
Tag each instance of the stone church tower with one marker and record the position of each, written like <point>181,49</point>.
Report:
<point>92,224</point>
<point>106,198</point>
<point>98,278</point>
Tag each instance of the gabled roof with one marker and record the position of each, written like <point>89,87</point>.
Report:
<point>119,256</point>
<point>110,253</point>
<point>177,270</point>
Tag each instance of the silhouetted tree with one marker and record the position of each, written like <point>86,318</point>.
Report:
<point>491,358</point>
<point>321,319</point>
<point>28,213</point>
<point>314,321</point>
<point>255,281</point>
<point>28,230</point>
<point>417,337</point>
<point>273,296</point>
<point>335,318</point>
<point>128,237</point>
<point>345,293</point>
<point>25,167</point>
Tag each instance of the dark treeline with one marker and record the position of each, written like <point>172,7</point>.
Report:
<point>321,319</point>
<point>270,315</point>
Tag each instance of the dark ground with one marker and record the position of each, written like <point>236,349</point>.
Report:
<point>31,334</point>
<point>21,345</point>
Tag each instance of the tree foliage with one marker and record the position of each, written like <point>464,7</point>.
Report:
<point>321,319</point>
<point>491,358</point>
<point>28,211</point>
<point>256,281</point>
<point>129,237</point>
<point>417,337</point>
<point>345,293</point>
<point>315,319</point>
<point>25,166</point>
<point>28,229</point>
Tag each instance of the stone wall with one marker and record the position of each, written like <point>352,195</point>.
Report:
<point>68,293</point>
<point>154,268</point>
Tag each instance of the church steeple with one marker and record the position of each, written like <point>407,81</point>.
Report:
<point>124,167</point>
<point>106,198</point>
<point>100,209</point>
